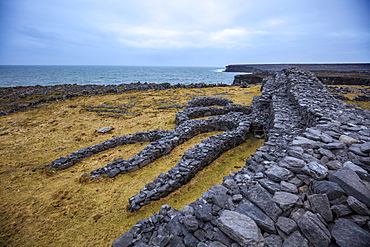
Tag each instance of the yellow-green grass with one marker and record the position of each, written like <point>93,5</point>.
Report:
<point>43,208</point>
<point>356,88</point>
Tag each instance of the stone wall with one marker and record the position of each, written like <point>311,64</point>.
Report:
<point>309,185</point>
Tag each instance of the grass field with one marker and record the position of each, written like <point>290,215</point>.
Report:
<point>41,207</point>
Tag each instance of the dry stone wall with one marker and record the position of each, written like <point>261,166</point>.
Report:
<point>309,185</point>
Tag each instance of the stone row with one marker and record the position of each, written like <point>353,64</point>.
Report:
<point>207,101</point>
<point>311,188</point>
<point>162,142</point>
<point>76,156</point>
<point>164,145</point>
<point>192,161</point>
<point>196,112</point>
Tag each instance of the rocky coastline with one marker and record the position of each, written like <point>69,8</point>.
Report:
<point>307,186</point>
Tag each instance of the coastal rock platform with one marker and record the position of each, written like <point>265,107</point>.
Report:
<point>309,185</point>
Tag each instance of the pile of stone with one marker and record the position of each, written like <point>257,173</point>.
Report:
<point>309,185</point>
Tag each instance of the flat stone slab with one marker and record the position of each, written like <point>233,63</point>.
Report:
<point>350,182</point>
<point>104,130</point>
<point>314,230</point>
<point>240,228</point>
<point>259,196</point>
<point>347,233</point>
<point>263,221</point>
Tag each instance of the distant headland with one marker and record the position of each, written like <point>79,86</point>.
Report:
<point>316,68</point>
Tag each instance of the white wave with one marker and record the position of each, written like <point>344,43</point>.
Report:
<point>218,70</point>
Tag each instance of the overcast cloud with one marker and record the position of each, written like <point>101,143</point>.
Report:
<point>183,32</point>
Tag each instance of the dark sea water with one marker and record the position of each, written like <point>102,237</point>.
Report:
<point>11,76</point>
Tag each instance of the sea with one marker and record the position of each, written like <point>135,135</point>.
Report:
<point>46,75</point>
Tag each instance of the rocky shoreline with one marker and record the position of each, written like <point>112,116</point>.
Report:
<point>309,185</point>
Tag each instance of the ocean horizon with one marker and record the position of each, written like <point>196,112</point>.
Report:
<point>48,75</point>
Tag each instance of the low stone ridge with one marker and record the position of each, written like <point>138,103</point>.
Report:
<point>15,99</point>
<point>308,185</point>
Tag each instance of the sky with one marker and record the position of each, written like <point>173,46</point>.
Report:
<point>183,32</point>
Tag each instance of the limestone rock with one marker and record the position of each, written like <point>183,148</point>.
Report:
<point>269,185</point>
<point>286,225</point>
<point>365,147</point>
<point>331,189</point>
<point>316,170</point>
<point>252,211</point>
<point>347,139</point>
<point>240,228</point>
<point>341,210</point>
<point>273,241</point>
<point>320,204</point>
<point>288,187</point>
<point>295,240</point>
<point>124,240</point>
<point>334,145</point>
<point>346,233</point>
<point>293,164</point>
<point>277,173</point>
<point>350,183</point>
<point>104,130</point>
<point>285,200</point>
<point>259,196</point>
<point>314,230</point>
<point>203,212</point>
<point>358,206</point>
<point>334,165</point>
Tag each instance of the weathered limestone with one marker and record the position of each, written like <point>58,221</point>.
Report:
<point>309,185</point>
<point>240,228</point>
<point>348,233</point>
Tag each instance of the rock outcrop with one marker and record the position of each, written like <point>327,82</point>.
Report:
<point>309,185</point>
